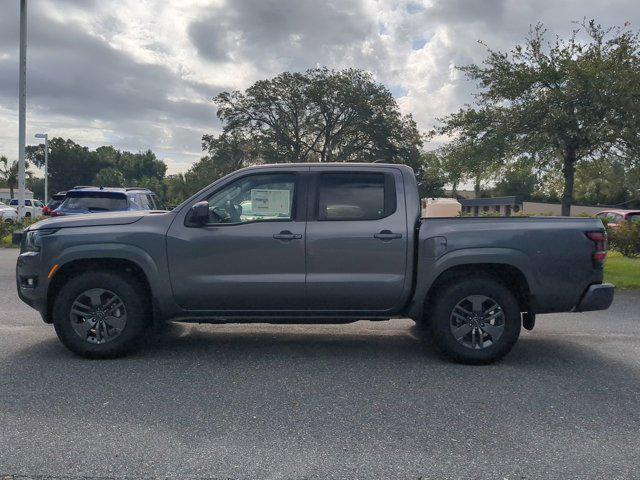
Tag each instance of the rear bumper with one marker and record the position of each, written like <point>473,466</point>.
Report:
<point>596,297</point>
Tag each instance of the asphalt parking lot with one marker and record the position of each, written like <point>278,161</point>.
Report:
<point>365,400</point>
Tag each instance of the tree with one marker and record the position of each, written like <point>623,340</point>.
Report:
<point>319,115</point>
<point>519,179</point>
<point>110,177</point>
<point>9,173</point>
<point>562,102</point>
<point>430,176</point>
<point>70,164</point>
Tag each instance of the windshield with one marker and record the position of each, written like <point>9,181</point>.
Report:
<point>95,202</point>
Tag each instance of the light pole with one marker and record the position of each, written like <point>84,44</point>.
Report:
<point>22,105</point>
<point>46,165</point>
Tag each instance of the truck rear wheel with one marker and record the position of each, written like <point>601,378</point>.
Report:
<point>475,320</point>
<point>100,314</point>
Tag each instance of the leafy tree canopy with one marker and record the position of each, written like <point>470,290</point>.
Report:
<point>563,102</point>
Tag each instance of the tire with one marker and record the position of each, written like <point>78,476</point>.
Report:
<point>104,340</point>
<point>500,316</point>
<point>27,215</point>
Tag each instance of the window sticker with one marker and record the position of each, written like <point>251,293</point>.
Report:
<point>270,202</point>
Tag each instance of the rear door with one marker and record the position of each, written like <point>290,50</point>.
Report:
<point>356,239</point>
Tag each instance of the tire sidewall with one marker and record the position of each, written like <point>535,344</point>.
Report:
<point>450,296</point>
<point>128,291</point>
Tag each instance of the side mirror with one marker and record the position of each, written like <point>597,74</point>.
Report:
<point>200,212</point>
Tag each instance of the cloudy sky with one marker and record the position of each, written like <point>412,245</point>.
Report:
<point>141,74</point>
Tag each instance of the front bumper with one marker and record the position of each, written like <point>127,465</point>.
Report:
<point>29,266</point>
<point>596,297</point>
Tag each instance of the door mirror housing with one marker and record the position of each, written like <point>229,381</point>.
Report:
<point>200,213</point>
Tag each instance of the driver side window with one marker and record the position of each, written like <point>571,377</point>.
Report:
<point>260,197</point>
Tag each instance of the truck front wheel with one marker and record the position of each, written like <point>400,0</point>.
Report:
<point>100,314</point>
<point>475,320</point>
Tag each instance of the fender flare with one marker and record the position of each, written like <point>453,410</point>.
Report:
<point>429,271</point>
<point>160,290</point>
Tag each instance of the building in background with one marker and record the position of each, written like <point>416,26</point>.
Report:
<point>503,206</point>
<point>507,206</point>
<point>5,194</point>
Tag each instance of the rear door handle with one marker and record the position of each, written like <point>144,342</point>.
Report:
<point>287,235</point>
<point>387,235</point>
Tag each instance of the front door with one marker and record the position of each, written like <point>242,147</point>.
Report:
<point>250,255</point>
<point>356,240</point>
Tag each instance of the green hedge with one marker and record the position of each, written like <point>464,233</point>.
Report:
<point>7,229</point>
<point>625,238</point>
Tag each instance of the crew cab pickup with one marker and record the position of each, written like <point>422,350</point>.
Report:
<point>309,243</point>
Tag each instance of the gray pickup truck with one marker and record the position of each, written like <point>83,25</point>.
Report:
<point>309,243</point>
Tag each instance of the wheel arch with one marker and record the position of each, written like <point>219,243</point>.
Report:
<point>509,267</point>
<point>120,259</point>
<point>508,275</point>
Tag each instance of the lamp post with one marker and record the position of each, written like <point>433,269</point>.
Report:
<point>22,106</point>
<point>46,165</point>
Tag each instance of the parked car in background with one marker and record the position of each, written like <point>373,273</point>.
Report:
<point>7,213</point>
<point>55,202</point>
<point>81,200</point>
<point>615,217</point>
<point>32,208</point>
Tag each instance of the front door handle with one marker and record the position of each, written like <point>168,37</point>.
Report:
<point>387,235</point>
<point>287,235</point>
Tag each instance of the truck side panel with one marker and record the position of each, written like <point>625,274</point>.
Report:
<point>553,255</point>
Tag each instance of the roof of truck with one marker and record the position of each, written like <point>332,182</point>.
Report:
<point>327,165</point>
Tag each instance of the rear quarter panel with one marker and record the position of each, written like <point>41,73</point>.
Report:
<point>553,254</point>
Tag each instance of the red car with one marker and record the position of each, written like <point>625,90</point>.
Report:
<point>614,217</point>
<point>55,202</point>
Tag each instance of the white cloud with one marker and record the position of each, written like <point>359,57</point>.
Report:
<point>141,74</point>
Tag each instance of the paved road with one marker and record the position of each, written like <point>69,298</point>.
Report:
<point>357,401</point>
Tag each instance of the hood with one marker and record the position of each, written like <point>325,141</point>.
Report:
<point>93,219</point>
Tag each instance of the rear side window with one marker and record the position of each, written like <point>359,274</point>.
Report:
<point>355,196</point>
<point>144,201</point>
<point>158,203</point>
<point>634,217</point>
<point>95,202</point>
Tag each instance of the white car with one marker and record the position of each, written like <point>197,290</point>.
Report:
<point>32,208</point>
<point>7,213</point>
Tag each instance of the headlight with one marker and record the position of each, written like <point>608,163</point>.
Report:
<point>33,239</point>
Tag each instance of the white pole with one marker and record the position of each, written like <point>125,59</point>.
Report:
<point>46,168</point>
<point>22,105</point>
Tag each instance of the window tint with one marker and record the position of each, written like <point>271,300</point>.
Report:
<point>355,196</point>
<point>144,201</point>
<point>159,205</point>
<point>95,202</point>
<point>28,203</point>
<point>254,198</point>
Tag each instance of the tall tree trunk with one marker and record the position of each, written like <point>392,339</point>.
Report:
<point>569,172</point>
<point>476,188</point>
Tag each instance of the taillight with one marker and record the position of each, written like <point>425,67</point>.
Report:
<point>599,239</point>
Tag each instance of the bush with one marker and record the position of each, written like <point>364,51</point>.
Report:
<point>7,229</point>
<point>625,238</point>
